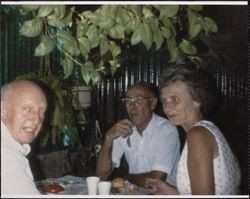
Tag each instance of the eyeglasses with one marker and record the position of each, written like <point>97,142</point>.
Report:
<point>137,100</point>
<point>173,100</point>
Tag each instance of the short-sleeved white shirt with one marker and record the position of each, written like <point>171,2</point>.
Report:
<point>16,176</point>
<point>157,149</point>
<point>225,166</point>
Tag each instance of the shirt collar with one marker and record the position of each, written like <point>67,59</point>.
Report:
<point>6,135</point>
<point>150,127</point>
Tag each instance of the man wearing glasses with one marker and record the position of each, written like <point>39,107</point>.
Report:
<point>150,143</point>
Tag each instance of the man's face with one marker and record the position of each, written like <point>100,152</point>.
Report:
<point>140,109</point>
<point>23,113</point>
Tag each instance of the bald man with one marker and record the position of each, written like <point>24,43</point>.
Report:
<point>23,107</point>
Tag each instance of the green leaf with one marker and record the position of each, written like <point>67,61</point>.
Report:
<point>193,17</point>
<point>188,48</point>
<point>209,25</point>
<point>45,10</point>
<point>146,35</point>
<point>86,71</point>
<point>67,67</point>
<point>114,66</point>
<point>46,46</point>
<point>122,17</point>
<point>109,10</point>
<point>166,32</point>
<point>59,11</point>
<point>32,28</point>
<point>105,21</point>
<point>147,12</point>
<point>136,37</point>
<point>30,7</point>
<point>133,23</point>
<point>117,32</point>
<point>96,78</point>
<point>93,36</point>
<point>68,41</point>
<point>115,49</point>
<point>172,49</point>
<point>194,30</point>
<point>81,28</point>
<point>196,7</point>
<point>168,10</point>
<point>101,67</point>
<point>158,39</point>
<point>90,16</point>
<point>168,23</point>
<point>196,60</point>
<point>53,21</point>
<point>137,9</point>
<point>104,46</point>
<point>157,34</point>
<point>84,44</point>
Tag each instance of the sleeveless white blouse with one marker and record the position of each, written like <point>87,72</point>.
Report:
<point>226,168</point>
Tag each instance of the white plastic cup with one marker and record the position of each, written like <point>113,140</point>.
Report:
<point>104,188</point>
<point>92,182</point>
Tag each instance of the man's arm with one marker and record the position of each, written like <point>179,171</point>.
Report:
<point>104,162</point>
<point>140,179</point>
<point>105,166</point>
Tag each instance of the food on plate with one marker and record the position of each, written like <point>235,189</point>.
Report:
<point>53,188</point>
<point>118,183</point>
<point>121,186</point>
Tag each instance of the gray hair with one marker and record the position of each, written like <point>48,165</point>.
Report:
<point>4,90</point>
<point>200,83</point>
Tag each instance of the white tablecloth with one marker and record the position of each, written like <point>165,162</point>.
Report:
<point>74,185</point>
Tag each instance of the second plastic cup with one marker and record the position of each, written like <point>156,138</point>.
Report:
<point>104,188</point>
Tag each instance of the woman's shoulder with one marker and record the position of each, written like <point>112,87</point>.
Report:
<point>198,132</point>
<point>199,135</point>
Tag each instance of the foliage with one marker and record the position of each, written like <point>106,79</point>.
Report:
<point>93,39</point>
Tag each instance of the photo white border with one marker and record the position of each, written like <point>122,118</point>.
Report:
<point>126,2</point>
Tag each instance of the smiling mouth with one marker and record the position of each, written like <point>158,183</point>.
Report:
<point>29,130</point>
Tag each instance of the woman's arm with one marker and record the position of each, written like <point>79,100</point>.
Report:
<point>201,149</point>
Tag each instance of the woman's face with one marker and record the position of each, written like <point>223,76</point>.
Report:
<point>179,105</point>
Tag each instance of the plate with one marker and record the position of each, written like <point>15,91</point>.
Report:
<point>72,185</point>
<point>130,189</point>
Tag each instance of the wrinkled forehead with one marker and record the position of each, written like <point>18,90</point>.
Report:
<point>26,92</point>
<point>139,90</point>
<point>177,87</point>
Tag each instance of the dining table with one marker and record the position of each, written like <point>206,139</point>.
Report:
<point>75,185</point>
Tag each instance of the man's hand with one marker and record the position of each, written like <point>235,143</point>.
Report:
<point>122,128</point>
<point>105,166</point>
<point>159,187</point>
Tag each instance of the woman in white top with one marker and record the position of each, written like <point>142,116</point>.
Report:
<point>207,164</point>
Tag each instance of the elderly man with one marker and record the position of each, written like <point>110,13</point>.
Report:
<point>23,106</point>
<point>150,143</point>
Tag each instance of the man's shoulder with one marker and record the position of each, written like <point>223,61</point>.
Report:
<point>163,121</point>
